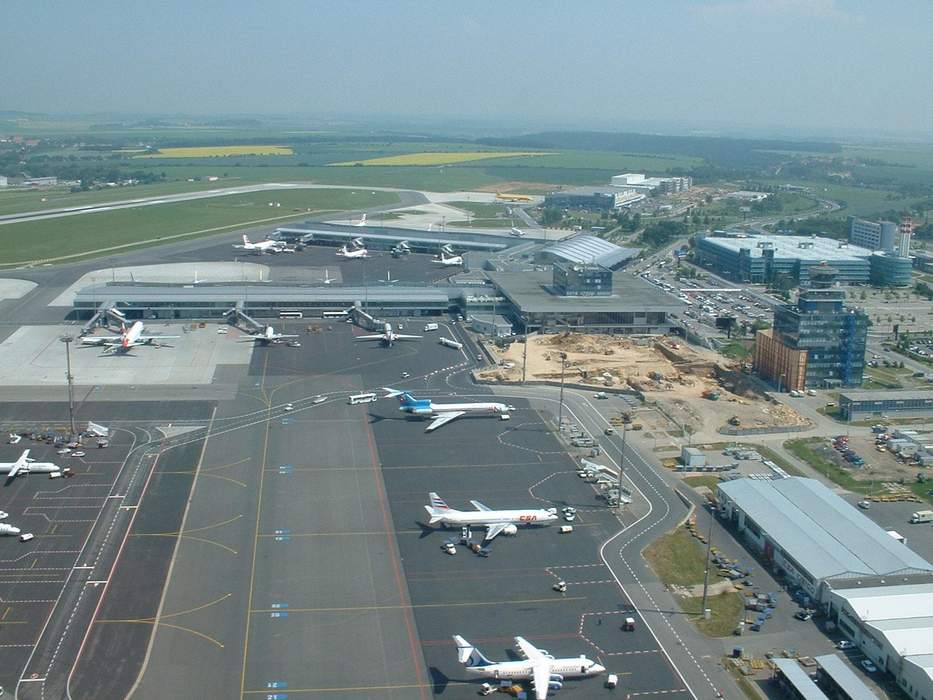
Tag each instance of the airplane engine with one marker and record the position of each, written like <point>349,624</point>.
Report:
<point>422,411</point>
<point>510,530</point>
<point>555,685</point>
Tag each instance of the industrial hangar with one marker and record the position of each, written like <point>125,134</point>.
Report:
<point>872,586</point>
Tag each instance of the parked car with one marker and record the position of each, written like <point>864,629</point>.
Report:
<point>868,665</point>
<point>845,644</point>
<point>803,615</point>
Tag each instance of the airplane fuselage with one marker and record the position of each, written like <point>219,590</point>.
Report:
<point>522,670</point>
<point>434,408</point>
<point>496,517</point>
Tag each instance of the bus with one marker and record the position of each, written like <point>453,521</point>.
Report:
<point>335,314</point>
<point>290,314</point>
<point>362,398</point>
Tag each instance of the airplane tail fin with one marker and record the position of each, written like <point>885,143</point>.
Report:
<point>245,239</point>
<point>363,220</point>
<point>469,655</point>
<point>437,509</point>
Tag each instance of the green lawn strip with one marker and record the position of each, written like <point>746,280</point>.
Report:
<point>708,480</point>
<point>677,558</point>
<point>49,239</point>
<point>725,612</point>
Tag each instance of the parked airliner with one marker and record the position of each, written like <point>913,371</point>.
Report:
<point>444,413</point>
<point>128,339</point>
<point>496,522</point>
<point>388,336</point>
<point>543,670</point>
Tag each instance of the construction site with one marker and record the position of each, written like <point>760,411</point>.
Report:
<point>689,385</point>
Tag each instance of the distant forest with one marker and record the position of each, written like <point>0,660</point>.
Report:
<point>718,151</point>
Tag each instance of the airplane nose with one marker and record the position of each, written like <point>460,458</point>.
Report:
<point>597,668</point>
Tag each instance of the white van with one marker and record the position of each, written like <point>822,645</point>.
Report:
<point>430,327</point>
<point>362,398</point>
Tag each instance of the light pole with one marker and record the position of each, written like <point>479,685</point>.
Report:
<point>780,381</point>
<point>709,546</point>
<point>621,466</point>
<point>525,355</point>
<point>68,340</point>
<point>560,411</point>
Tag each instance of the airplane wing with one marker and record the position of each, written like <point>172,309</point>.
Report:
<point>493,530</point>
<point>408,337</point>
<point>370,337</point>
<point>19,465</point>
<point>443,419</point>
<point>530,652</point>
<point>479,506</point>
<point>150,338</point>
<point>101,340</point>
<point>541,675</point>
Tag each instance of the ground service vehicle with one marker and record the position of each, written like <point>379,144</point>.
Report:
<point>922,516</point>
<point>362,398</point>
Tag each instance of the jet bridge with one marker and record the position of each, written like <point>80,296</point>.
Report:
<point>105,314</point>
<point>237,316</point>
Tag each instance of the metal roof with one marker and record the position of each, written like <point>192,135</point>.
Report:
<point>144,293</point>
<point>834,667</point>
<point>798,678</point>
<point>585,248</point>
<point>532,292</point>
<point>814,248</point>
<point>473,240</point>
<point>886,395</point>
<point>820,531</point>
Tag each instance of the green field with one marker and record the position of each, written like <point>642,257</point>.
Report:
<point>677,558</point>
<point>87,235</point>
<point>15,201</point>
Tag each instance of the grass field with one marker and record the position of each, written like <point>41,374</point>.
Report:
<point>725,612</point>
<point>16,201</point>
<point>90,235</point>
<point>219,151</point>
<point>710,481</point>
<point>437,158</point>
<point>677,558</point>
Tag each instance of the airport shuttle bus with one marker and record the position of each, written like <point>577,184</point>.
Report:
<point>290,314</point>
<point>335,314</point>
<point>362,398</point>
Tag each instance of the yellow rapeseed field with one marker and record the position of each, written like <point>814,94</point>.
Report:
<point>212,151</point>
<point>439,158</point>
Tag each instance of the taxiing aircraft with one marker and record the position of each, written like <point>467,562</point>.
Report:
<point>543,670</point>
<point>444,413</point>
<point>508,197</point>
<point>262,247</point>
<point>128,339</point>
<point>452,260</point>
<point>388,336</point>
<point>269,335</point>
<point>25,465</point>
<point>354,254</point>
<point>496,522</point>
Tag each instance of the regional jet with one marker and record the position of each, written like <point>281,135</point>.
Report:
<point>262,247</point>
<point>128,339</point>
<point>451,261</point>
<point>25,465</point>
<point>496,522</point>
<point>543,670</point>
<point>388,336</point>
<point>355,254</point>
<point>444,413</point>
<point>268,336</point>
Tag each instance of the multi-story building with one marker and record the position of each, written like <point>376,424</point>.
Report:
<point>890,270</point>
<point>874,235</point>
<point>760,259</point>
<point>639,182</point>
<point>816,342</point>
<point>582,280</point>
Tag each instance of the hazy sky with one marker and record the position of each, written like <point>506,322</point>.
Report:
<point>824,66</point>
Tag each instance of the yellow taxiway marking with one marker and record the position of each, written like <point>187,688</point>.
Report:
<point>164,624</point>
<point>358,689</point>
